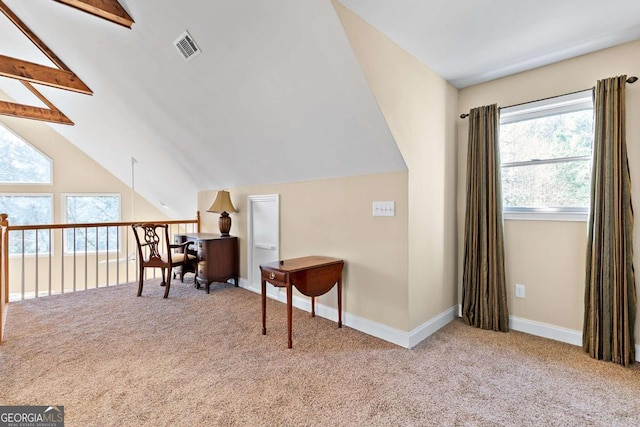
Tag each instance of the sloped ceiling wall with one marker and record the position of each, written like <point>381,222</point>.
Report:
<point>469,41</point>
<point>276,96</point>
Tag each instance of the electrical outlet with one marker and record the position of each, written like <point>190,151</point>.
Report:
<point>519,291</point>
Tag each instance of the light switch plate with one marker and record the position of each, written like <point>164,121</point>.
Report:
<point>384,208</point>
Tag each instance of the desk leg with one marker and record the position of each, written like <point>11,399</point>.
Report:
<point>289,312</point>
<point>264,307</point>
<point>313,306</point>
<point>340,303</point>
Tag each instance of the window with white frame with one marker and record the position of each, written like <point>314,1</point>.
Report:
<point>28,209</point>
<point>91,208</point>
<point>545,152</point>
<point>20,162</point>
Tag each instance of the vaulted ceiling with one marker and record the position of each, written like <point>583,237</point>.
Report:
<point>277,94</point>
<point>473,41</point>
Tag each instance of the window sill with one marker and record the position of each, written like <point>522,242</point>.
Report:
<point>546,216</point>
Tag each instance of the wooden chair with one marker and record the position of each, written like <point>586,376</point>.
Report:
<point>155,251</point>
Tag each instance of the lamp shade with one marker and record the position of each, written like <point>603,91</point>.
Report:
<point>222,203</point>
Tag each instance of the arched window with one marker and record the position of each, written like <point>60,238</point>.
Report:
<point>20,162</point>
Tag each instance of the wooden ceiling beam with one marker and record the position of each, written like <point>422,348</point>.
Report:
<point>40,96</point>
<point>41,74</point>
<point>110,10</point>
<point>52,114</point>
<point>27,72</point>
<point>34,113</point>
<point>31,36</point>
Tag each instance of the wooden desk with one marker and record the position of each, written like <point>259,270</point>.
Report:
<point>217,257</point>
<point>312,276</point>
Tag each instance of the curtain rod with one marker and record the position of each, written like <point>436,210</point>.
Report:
<point>630,80</point>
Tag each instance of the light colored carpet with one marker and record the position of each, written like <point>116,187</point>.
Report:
<point>113,359</point>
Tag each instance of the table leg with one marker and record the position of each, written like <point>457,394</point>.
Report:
<point>264,307</point>
<point>340,303</point>
<point>313,306</point>
<point>289,312</point>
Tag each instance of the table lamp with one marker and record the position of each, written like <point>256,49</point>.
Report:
<point>222,205</point>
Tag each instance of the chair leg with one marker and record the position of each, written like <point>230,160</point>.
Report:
<point>141,276</point>
<point>164,281</point>
<point>166,289</point>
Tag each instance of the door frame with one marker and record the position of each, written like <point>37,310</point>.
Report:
<point>250,241</point>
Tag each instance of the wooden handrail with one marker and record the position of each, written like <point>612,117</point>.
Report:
<point>99,224</point>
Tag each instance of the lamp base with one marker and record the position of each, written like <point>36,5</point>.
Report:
<point>224,223</point>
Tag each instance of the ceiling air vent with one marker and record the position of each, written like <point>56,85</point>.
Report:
<point>187,46</point>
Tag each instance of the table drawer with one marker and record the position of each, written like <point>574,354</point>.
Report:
<point>202,250</point>
<point>274,276</point>
<point>202,270</point>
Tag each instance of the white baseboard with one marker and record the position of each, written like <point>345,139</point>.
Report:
<point>369,327</point>
<point>539,329</point>
<point>423,331</point>
<point>413,338</point>
<point>569,336</point>
<point>545,330</point>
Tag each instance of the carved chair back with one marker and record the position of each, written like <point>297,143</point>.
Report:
<point>153,244</point>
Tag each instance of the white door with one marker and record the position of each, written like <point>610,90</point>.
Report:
<point>264,236</point>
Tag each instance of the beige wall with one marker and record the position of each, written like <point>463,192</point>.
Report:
<point>420,108</point>
<point>73,172</point>
<point>333,217</point>
<point>401,271</point>
<point>547,256</point>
